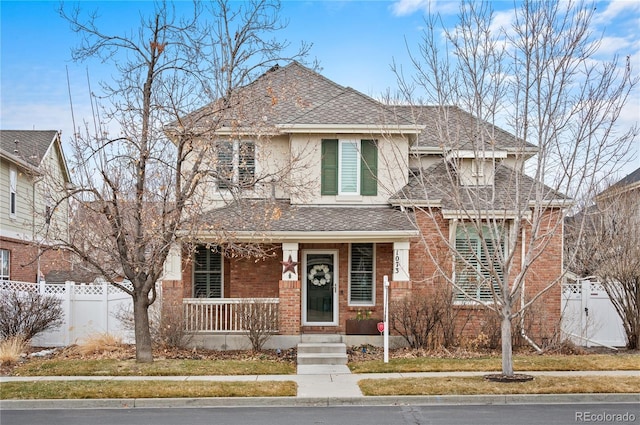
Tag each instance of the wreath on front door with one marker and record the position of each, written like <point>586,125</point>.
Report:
<point>319,275</point>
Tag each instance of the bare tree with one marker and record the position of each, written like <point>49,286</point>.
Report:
<point>496,199</point>
<point>605,240</point>
<point>137,186</point>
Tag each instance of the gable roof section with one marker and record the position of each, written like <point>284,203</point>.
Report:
<point>28,148</point>
<point>430,187</point>
<point>293,98</point>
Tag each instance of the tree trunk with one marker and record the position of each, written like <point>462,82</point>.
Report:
<point>144,353</point>
<point>507,349</point>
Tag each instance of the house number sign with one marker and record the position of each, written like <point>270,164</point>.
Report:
<point>400,261</point>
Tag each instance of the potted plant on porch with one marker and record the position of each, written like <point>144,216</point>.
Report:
<point>363,324</point>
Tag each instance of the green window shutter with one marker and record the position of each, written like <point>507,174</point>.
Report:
<point>369,169</point>
<point>329,173</point>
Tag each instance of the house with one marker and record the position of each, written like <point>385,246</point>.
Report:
<point>31,214</point>
<point>342,190</point>
<point>627,187</point>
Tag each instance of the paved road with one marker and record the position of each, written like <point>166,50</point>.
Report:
<point>523,414</point>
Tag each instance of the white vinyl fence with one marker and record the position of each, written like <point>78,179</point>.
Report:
<point>88,309</point>
<point>588,316</point>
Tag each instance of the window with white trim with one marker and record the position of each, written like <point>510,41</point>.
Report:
<point>349,167</point>
<point>13,191</point>
<point>207,273</point>
<point>5,264</point>
<point>478,262</point>
<point>236,163</point>
<point>349,160</point>
<point>362,274</point>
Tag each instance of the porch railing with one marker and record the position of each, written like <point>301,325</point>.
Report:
<point>230,314</point>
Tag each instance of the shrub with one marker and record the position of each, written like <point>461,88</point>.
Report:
<point>11,349</point>
<point>169,326</point>
<point>260,321</point>
<point>165,323</point>
<point>99,343</point>
<point>417,316</point>
<point>27,314</point>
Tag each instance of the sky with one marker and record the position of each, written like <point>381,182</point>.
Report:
<point>355,43</point>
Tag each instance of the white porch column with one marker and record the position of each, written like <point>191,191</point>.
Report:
<point>290,266</point>
<point>173,264</point>
<point>400,262</point>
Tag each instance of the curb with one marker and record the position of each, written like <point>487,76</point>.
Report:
<point>317,401</point>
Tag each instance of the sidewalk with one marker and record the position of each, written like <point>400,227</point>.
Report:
<point>317,386</point>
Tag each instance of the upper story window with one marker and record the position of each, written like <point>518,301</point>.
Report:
<point>236,163</point>
<point>478,262</point>
<point>207,273</point>
<point>13,190</point>
<point>5,264</point>
<point>477,167</point>
<point>349,167</point>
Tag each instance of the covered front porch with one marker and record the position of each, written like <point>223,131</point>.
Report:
<point>326,269</point>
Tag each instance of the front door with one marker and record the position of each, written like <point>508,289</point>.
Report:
<point>320,287</point>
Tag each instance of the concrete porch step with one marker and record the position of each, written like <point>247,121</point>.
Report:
<point>322,353</point>
<point>321,338</point>
<point>322,359</point>
<point>319,347</point>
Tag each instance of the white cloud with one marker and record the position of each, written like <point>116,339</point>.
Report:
<point>407,7</point>
<point>615,9</point>
<point>612,45</point>
<point>503,22</point>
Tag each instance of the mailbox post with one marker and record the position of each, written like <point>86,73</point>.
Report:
<point>386,319</point>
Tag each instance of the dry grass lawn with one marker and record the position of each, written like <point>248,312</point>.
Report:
<point>521,363</point>
<point>478,385</point>
<point>143,389</point>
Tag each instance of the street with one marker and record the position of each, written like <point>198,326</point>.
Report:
<point>513,414</point>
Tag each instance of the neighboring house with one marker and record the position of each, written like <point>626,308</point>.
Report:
<point>627,188</point>
<point>32,163</point>
<point>343,216</point>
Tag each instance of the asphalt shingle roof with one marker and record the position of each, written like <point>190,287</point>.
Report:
<point>512,190</point>
<point>452,127</point>
<point>28,145</point>
<point>292,94</point>
<point>281,216</point>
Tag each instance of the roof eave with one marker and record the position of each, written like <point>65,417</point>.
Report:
<point>417,203</point>
<point>20,162</point>
<point>350,128</point>
<point>553,203</point>
<point>448,214</point>
<point>316,236</point>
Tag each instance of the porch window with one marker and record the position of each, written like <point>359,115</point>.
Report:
<point>207,273</point>
<point>4,264</point>
<point>478,262</point>
<point>236,163</point>
<point>361,274</point>
<point>349,167</point>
